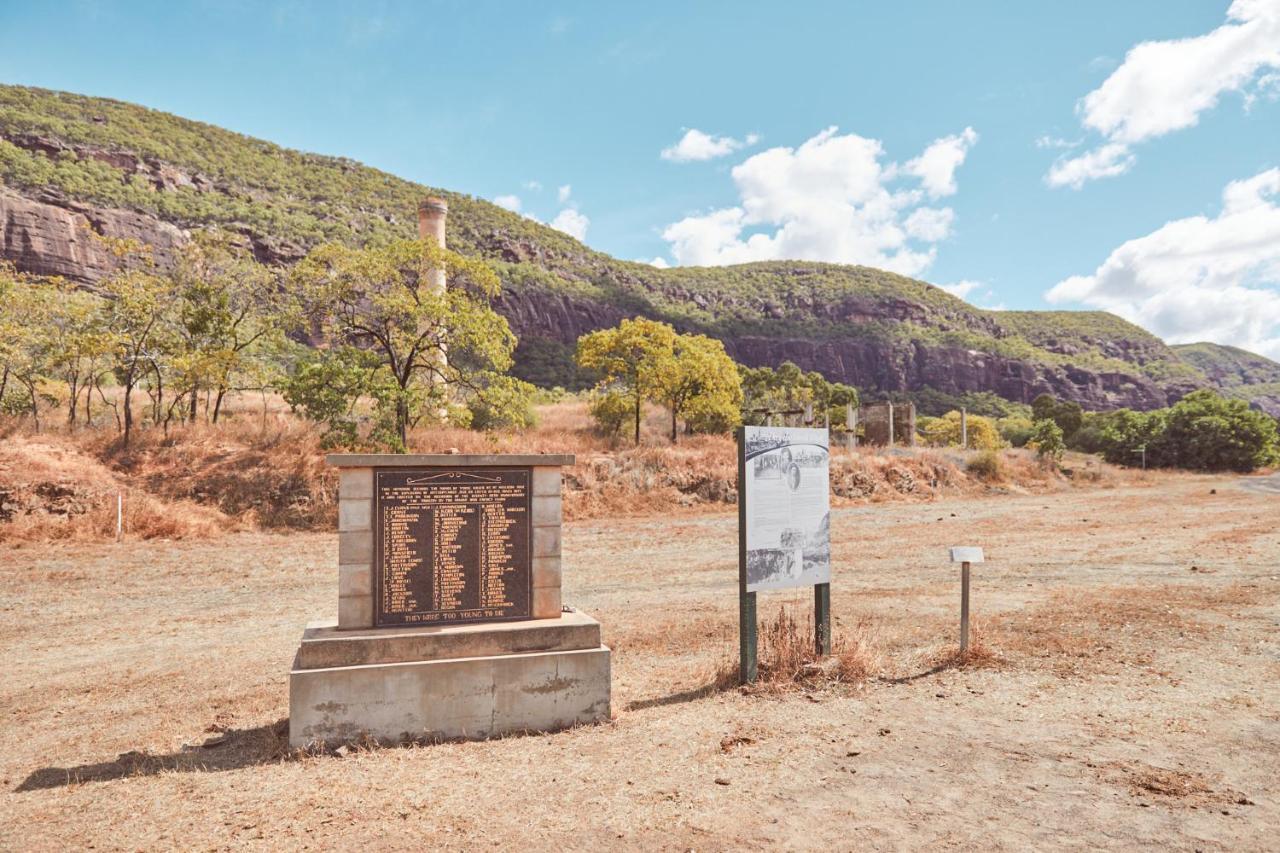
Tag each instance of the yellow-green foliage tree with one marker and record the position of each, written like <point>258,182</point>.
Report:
<point>137,301</point>
<point>25,339</point>
<point>701,383</point>
<point>433,347</point>
<point>691,375</point>
<point>80,344</point>
<point>630,360</point>
<point>229,307</point>
<point>946,432</point>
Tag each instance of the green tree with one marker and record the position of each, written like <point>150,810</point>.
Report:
<point>1069,416</point>
<point>25,336</point>
<point>229,305</point>
<point>790,389</point>
<point>79,342</point>
<point>700,382</point>
<point>1206,431</point>
<point>137,301</point>
<point>432,345</point>
<point>1046,438</point>
<point>1129,436</point>
<point>631,360</point>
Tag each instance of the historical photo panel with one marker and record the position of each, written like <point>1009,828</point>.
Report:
<point>787,507</point>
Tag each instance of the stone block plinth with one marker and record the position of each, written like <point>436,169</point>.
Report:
<point>445,682</point>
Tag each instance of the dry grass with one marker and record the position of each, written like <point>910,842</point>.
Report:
<point>146,712</point>
<point>787,657</point>
<point>265,470</point>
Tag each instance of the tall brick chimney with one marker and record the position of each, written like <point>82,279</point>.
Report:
<point>432,213</point>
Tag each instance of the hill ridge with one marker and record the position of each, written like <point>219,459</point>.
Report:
<point>67,158</point>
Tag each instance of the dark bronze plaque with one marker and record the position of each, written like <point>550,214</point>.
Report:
<point>451,545</point>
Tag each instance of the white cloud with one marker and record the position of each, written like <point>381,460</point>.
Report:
<point>562,194</point>
<point>830,199</point>
<point>936,167</point>
<point>1199,278</point>
<point>510,202</point>
<point>532,186</point>
<point>659,262</point>
<point>696,145</point>
<point>1102,162</point>
<point>961,289</point>
<point>1047,141</point>
<point>572,223</point>
<point>930,224</point>
<point>1165,86</point>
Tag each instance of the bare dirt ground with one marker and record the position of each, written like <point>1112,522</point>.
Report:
<point>1131,698</point>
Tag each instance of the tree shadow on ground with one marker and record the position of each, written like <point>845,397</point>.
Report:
<point>229,750</point>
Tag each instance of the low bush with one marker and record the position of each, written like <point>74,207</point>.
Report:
<point>986,465</point>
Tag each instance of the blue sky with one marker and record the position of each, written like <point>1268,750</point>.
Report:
<point>1040,194</point>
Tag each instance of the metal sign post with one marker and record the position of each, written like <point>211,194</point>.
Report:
<point>965,556</point>
<point>746,600</point>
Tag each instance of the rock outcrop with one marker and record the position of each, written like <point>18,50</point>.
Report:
<point>53,237</point>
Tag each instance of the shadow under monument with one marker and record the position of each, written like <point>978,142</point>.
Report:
<point>229,750</point>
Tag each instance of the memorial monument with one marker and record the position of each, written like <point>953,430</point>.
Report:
<point>450,623</point>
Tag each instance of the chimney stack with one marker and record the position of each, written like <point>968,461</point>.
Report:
<point>431,216</point>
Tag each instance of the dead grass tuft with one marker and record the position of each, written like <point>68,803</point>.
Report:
<point>787,657</point>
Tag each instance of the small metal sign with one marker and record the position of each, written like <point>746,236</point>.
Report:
<point>966,554</point>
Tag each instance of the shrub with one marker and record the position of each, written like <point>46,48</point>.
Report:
<point>1015,429</point>
<point>986,465</point>
<point>610,410</point>
<point>506,402</point>
<point>945,432</point>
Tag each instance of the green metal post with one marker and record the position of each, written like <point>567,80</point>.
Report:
<point>746,600</point>
<point>822,618</point>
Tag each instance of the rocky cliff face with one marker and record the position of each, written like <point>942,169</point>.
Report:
<point>867,364</point>
<point>51,236</point>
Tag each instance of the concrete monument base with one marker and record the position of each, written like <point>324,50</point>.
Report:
<point>447,681</point>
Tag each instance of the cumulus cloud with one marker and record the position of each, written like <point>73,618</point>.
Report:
<point>572,223</point>
<point>562,194</point>
<point>696,145</point>
<point>1104,161</point>
<point>830,199</point>
<point>659,262</point>
<point>936,167</point>
<point>532,186</point>
<point>510,202</point>
<point>1165,86</point>
<point>1199,278</point>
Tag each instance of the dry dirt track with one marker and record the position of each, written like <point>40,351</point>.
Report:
<point>1135,702</point>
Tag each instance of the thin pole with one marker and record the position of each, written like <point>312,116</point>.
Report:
<point>822,618</point>
<point>964,607</point>
<point>119,515</point>
<point>964,429</point>
<point>746,600</point>
<point>890,424</point>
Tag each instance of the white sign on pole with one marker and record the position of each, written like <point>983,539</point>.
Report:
<point>787,503</point>
<point>966,554</point>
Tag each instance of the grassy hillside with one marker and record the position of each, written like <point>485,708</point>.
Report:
<point>121,155</point>
<point>1238,372</point>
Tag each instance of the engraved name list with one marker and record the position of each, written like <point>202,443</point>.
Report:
<point>451,545</point>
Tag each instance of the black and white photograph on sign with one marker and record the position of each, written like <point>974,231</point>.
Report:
<point>787,507</point>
